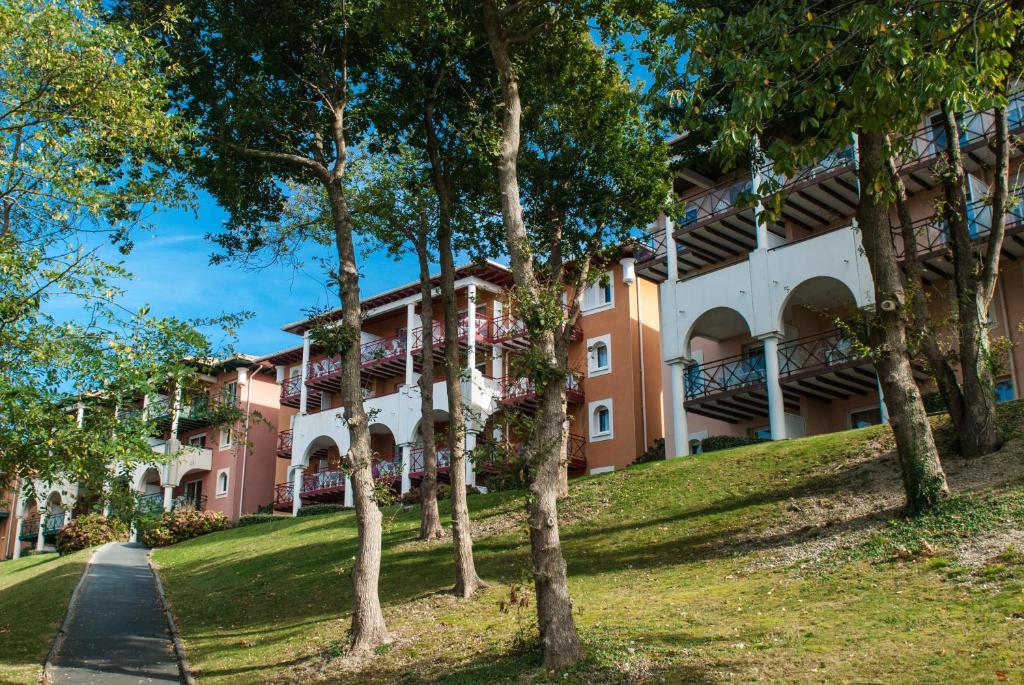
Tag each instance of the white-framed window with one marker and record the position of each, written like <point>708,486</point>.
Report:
<point>1004,390</point>
<point>599,355</point>
<point>225,437</point>
<point>601,425</point>
<point>229,393</point>
<point>198,441</point>
<point>866,416</point>
<point>599,295</point>
<point>222,482</point>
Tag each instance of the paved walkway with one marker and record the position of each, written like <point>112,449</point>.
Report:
<point>117,634</point>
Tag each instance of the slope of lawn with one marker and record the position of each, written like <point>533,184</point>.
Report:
<point>786,562</point>
<point>34,595</point>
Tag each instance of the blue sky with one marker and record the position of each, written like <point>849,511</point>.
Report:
<point>173,274</point>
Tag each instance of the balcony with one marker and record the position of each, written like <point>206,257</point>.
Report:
<point>932,236</point>
<point>435,337</point>
<point>416,467</point>
<point>823,367</point>
<point>189,502</point>
<point>389,468</point>
<point>193,415</point>
<point>522,392</point>
<point>511,332</point>
<point>150,504</point>
<point>187,459</point>
<point>576,449</point>
<point>284,444</point>
<point>323,486</point>
<point>51,526</point>
<point>291,392</point>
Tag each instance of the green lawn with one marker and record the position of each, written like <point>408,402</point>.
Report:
<point>34,595</point>
<point>785,562</point>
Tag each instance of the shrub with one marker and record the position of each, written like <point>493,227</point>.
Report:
<point>714,443</point>
<point>317,509</point>
<point>655,452</point>
<point>88,531</point>
<point>411,496</point>
<point>254,519</point>
<point>183,524</point>
<point>934,402</point>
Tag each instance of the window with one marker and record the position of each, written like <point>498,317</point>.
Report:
<point>230,393</point>
<point>599,357</point>
<point>862,418</point>
<point>763,433</point>
<point>198,441</point>
<point>225,437</point>
<point>194,494</point>
<point>222,482</point>
<point>1004,390</point>
<point>601,420</point>
<point>599,295</point>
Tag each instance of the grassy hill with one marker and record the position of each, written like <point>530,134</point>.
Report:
<point>34,595</point>
<point>785,562</point>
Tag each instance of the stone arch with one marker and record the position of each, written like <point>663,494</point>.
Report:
<point>824,294</point>
<point>149,481</point>
<point>441,418</point>
<point>717,323</point>
<point>319,445</point>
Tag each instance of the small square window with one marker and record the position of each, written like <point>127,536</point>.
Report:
<point>1004,390</point>
<point>225,437</point>
<point>599,295</point>
<point>198,441</point>
<point>601,425</point>
<point>599,355</point>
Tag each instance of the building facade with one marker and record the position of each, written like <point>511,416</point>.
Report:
<point>210,467</point>
<point>749,304</point>
<point>614,393</point>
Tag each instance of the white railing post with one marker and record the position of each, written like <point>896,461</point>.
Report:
<point>297,471</point>
<point>410,323</point>
<point>304,376</point>
<point>349,499</point>
<point>467,457</point>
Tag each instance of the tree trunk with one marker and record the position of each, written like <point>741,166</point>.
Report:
<point>466,580</point>
<point>979,432</point>
<point>558,635</point>
<point>368,627</point>
<point>923,478</point>
<point>430,517</point>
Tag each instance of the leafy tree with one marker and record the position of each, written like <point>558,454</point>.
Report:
<point>82,113</point>
<point>275,101</point>
<point>392,204</point>
<point>867,69</point>
<point>578,166</point>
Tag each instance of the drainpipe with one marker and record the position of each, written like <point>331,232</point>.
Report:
<point>243,377</point>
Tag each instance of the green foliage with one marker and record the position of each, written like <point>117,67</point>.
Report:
<point>182,524</point>
<point>655,452</point>
<point>88,531</point>
<point>714,443</point>
<point>256,519</point>
<point>318,509</point>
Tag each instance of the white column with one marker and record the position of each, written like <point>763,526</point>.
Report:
<point>349,500</point>
<point>680,432</point>
<point>471,328</point>
<point>760,226</point>
<point>42,525</point>
<point>410,323</point>
<point>297,474</point>
<point>168,497</point>
<point>80,415</point>
<point>496,352</point>
<point>468,458</point>
<point>19,513</point>
<point>776,407</point>
<point>671,256</point>
<point>303,390</point>
<point>406,466</point>
<point>882,409</point>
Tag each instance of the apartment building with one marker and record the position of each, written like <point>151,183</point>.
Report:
<point>748,304</point>
<point>614,393</point>
<point>204,465</point>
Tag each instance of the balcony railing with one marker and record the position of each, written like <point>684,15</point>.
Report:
<point>814,352</point>
<point>932,233</point>
<point>515,390</point>
<point>506,328</point>
<point>52,523</point>
<point>930,140</point>
<point>729,373</point>
<point>323,481</point>
<point>150,504</point>
<point>382,351</point>
<point>193,502</point>
<point>436,335</point>
<point>576,451</point>
<point>284,444</point>
<point>714,201</point>
<point>291,389</point>
<point>389,467</point>
<point>284,496</point>
<point>416,466</point>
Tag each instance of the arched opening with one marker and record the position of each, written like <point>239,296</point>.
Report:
<point>323,480</point>
<point>443,451</point>
<point>821,363</point>
<point>725,385</point>
<point>387,457</point>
